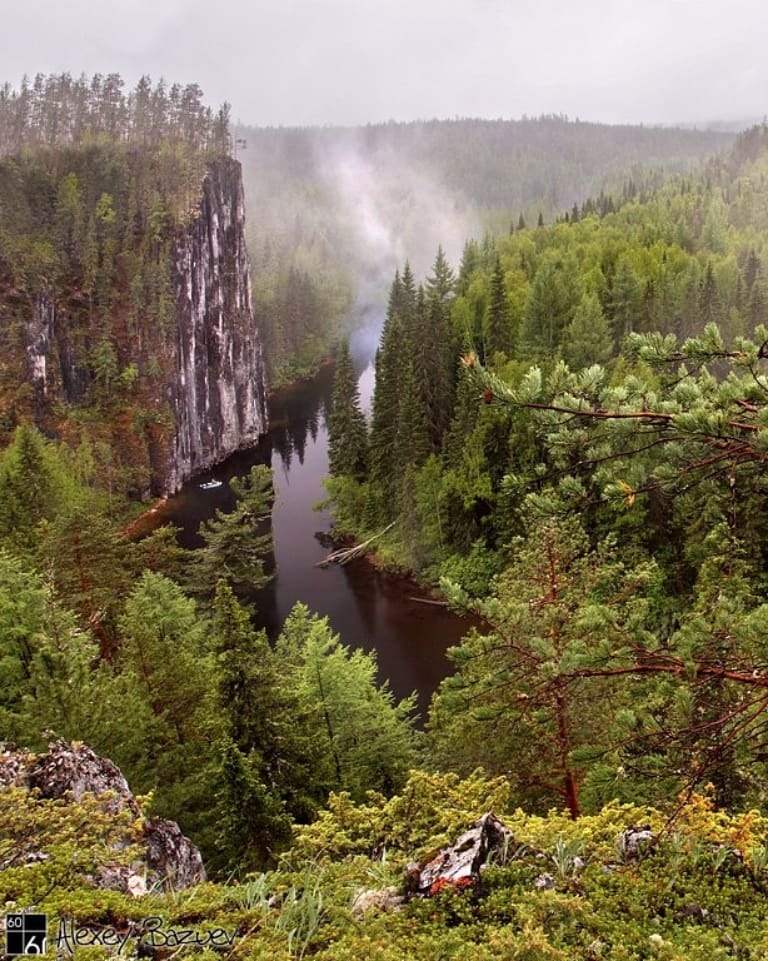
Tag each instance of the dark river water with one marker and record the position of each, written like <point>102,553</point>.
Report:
<point>367,608</point>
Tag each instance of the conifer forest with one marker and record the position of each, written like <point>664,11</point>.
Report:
<point>545,418</point>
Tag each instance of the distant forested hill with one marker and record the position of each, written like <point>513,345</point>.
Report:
<point>546,164</point>
<point>331,206</point>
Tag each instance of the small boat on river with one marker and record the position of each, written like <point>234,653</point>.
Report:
<point>210,485</point>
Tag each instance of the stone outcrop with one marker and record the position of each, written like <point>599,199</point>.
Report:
<point>219,392</point>
<point>376,899</point>
<point>171,856</point>
<point>68,771</point>
<point>198,373</point>
<point>634,841</point>
<point>460,864</point>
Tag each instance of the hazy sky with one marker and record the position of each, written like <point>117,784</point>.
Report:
<point>353,61</point>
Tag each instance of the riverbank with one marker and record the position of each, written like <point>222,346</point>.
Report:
<point>368,607</point>
<point>144,523</point>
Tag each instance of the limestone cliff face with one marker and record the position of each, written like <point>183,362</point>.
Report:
<point>219,392</point>
<point>174,394</point>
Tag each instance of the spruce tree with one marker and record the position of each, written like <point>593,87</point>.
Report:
<point>407,305</point>
<point>752,270</point>
<point>29,490</point>
<point>347,430</point>
<point>587,337</point>
<point>364,735</point>
<point>709,298</point>
<point>552,301</point>
<point>266,753</point>
<point>498,323</point>
<point>626,300</point>
<point>391,358</point>
<point>49,677</point>
<point>412,436</point>
<point>470,260</point>
<point>236,545</point>
<point>440,285</point>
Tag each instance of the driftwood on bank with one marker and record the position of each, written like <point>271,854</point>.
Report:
<point>427,600</point>
<point>345,554</point>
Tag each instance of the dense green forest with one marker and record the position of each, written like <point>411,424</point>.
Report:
<point>334,208</point>
<point>97,185</point>
<point>135,646</point>
<point>568,435</point>
<point>588,478</point>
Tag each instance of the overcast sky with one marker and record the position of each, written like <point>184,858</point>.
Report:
<point>357,61</point>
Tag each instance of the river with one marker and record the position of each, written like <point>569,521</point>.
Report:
<point>366,607</point>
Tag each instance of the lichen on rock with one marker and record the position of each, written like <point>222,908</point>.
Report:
<point>69,772</point>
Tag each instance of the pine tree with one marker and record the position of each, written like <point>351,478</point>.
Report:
<point>558,605</point>
<point>347,430</point>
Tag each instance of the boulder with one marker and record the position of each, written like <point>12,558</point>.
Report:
<point>171,856</point>
<point>544,882</point>
<point>69,771</point>
<point>632,841</point>
<point>380,899</point>
<point>460,864</point>
<point>75,770</point>
<point>14,766</point>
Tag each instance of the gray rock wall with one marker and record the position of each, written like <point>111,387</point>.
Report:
<point>202,373</point>
<point>219,396</point>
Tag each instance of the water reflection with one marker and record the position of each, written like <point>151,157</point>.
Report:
<point>367,608</point>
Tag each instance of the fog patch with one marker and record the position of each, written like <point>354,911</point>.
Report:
<point>392,210</point>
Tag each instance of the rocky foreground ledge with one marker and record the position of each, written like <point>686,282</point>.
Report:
<point>68,772</point>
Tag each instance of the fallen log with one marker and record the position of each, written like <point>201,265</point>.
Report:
<point>346,554</point>
<point>427,600</point>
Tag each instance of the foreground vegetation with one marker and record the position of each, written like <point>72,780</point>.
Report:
<point>568,890</point>
<point>589,481</point>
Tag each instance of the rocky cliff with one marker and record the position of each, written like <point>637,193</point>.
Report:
<point>218,394</point>
<point>133,327</point>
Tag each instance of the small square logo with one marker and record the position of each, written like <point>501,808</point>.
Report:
<point>25,934</point>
